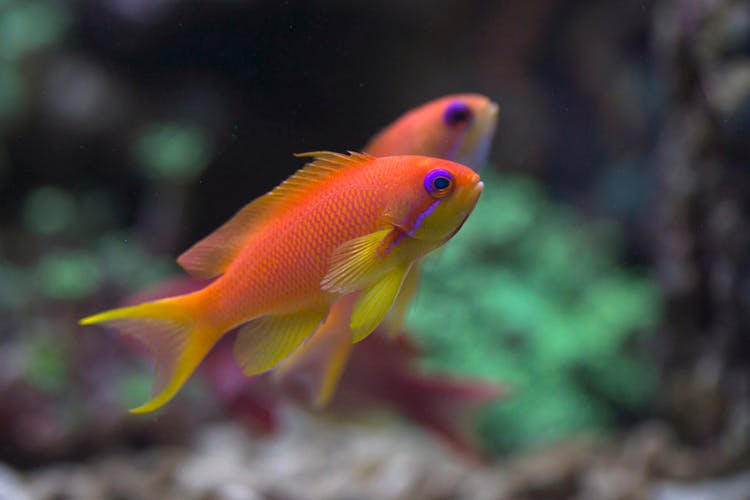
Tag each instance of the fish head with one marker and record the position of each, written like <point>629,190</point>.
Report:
<point>465,128</point>
<point>436,198</point>
<point>476,146</point>
<point>457,127</point>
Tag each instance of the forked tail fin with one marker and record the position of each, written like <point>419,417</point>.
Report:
<point>173,331</point>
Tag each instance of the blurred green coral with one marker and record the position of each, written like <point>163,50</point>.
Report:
<point>128,263</point>
<point>47,366</point>
<point>49,210</point>
<point>29,25</point>
<point>26,26</point>
<point>68,275</point>
<point>15,289</point>
<point>531,294</point>
<point>12,92</point>
<point>132,386</point>
<point>172,151</point>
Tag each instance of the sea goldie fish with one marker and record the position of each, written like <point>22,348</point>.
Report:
<point>457,127</point>
<point>327,250</point>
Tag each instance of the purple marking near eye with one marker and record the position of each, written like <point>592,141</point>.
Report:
<point>421,217</point>
<point>395,241</point>
<point>429,179</point>
<point>456,113</point>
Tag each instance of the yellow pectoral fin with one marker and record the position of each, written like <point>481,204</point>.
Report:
<point>375,301</point>
<point>394,321</point>
<point>263,343</point>
<point>358,262</point>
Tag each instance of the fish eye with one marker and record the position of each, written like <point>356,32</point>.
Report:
<point>438,183</point>
<point>457,113</point>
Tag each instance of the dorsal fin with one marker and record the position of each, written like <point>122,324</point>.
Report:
<point>212,255</point>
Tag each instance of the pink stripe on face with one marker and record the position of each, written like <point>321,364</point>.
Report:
<point>398,236</point>
<point>422,216</point>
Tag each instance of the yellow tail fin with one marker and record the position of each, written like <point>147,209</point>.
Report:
<point>175,336</point>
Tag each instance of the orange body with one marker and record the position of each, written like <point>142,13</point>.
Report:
<point>326,252</point>
<point>281,267</point>
<point>457,127</point>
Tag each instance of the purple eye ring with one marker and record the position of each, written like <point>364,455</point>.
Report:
<point>457,113</point>
<point>438,183</point>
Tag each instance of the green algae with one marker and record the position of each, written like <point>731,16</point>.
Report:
<point>68,275</point>
<point>172,151</point>
<point>530,294</point>
<point>30,25</point>
<point>49,210</point>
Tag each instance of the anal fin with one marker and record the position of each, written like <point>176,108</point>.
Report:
<point>316,367</point>
<point>264,342</point>
<point>394,320</point>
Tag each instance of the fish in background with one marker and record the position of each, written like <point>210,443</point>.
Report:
<point>382,372</point>
<point>456,127</point>
<point>322,255</point>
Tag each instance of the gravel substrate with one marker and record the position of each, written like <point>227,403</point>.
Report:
<point>314,458</point>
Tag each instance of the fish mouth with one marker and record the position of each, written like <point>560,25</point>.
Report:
<point>477,144</point>
<point>488,117</point>
<point>476,191</point>
<point>471,195</point>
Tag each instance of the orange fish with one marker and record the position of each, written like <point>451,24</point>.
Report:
<point>457,127</point>
<point>329,248</point>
